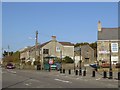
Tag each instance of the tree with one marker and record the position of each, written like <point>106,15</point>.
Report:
<point>67,59</point>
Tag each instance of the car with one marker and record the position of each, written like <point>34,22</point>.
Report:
<point>10,66</point>
<point>58,65</point>
<point>94,66</point>
<point>105,65</point>
<point>53,67</point>
<point>117,65</point>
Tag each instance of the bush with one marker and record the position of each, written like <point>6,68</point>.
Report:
<point>29,63</point>
<point>36,62</point>
<point>67,59</point>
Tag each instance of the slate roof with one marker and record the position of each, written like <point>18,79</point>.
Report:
<point>108,34</point>
<point>63,43</point>
<point>66,43</point>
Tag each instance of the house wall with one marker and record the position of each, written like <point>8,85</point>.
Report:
<point>103,51</point>
<point>87,55</point>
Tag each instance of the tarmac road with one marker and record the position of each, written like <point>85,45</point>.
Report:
<point>14,78</point>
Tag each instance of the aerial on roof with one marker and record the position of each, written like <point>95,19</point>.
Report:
<point>108,34</point>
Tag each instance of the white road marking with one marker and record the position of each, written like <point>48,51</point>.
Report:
<point>62,80</point>
<point>14,72</point>
<point>98,79</point>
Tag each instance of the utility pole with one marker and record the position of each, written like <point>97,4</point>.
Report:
<point>36,45</point>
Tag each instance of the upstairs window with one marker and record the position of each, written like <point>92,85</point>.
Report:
<point>45,51</point>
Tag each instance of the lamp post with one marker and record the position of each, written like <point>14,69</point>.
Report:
<point>110,68</point>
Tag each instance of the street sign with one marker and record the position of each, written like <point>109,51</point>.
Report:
<point>51,61</point>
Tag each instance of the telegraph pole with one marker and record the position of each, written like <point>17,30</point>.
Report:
<point>36,45</point>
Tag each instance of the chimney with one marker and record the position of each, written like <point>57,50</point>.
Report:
<point>99,26</point>
<point>53,38</point>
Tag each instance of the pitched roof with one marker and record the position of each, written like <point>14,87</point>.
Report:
<point>108,34</point>
<point>63,43</point>
<point>66,43</point>
<point>44,43</point>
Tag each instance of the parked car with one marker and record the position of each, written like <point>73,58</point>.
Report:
<point>117,65</point>
<point>58,66</point>
<point>10,66</point>
<point>105,65</point>
<point>94,66</point>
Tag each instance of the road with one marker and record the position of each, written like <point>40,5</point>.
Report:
<point>15,78</point>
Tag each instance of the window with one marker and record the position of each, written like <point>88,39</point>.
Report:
<point>45,51</point>
<point>114,47</point>
<point>57,49</point>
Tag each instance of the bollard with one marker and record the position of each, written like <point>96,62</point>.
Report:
<point>76,72</point>
<point>63,70</point>
<point>93,74</point>
<point>110,75</point>
<point>69,71</point>
<point>60,70</point>
<point>118,75</point>
<point>80,72</point>
<point>84,73</point>
<point>104,74</point>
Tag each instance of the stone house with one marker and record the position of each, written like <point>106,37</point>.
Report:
<point>86,55</point>
<point>107,44</point>
<point>51,48</point>
<point>57,49</point>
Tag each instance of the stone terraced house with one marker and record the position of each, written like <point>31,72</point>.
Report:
<point>107,44</point>
<point>52,48</point>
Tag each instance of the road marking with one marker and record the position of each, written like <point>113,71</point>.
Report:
<point>98,78</point>
<point>14,72</point>
<point>62,80</point>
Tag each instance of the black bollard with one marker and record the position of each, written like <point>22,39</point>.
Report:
<point>76,72</point>
<point>104,74</point>
<point>69,71</point>
<point>93,74</point>
<point>118,75</point>
<point>60,70</point>
<point>63,70</point>
<point>110,75</point>
<point>80,72</point>
<point>84,73</point>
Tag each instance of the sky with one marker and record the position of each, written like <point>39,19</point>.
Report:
<point>73,22</point>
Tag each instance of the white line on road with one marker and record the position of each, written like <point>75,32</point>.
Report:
<point>62,80</point>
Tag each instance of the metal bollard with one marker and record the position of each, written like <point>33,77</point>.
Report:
<point>80,72</point>
<point>63,70</point>
<point>60,70</point>
<point>84,73</point>
<point>104,74</point>
<point>69,71</point>
<point>110,75</point>
<point>93,74</point>
<point>118,75</point>
<point>76,72</point>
